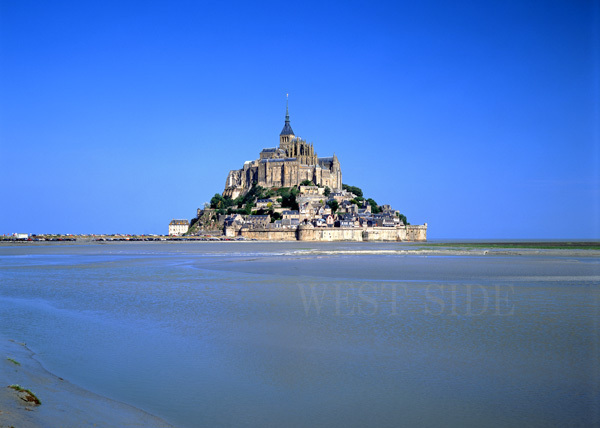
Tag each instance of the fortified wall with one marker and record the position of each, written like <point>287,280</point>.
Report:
<point>402,233</point>
<point>310,233</point>
<point>266,234</point>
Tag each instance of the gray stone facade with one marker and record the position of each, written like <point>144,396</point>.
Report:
<point>293,162</point>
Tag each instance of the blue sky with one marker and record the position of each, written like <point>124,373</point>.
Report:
<point>479,118</point>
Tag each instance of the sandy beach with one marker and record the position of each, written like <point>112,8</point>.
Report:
<point>62,403</point>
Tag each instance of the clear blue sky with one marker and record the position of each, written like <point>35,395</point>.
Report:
<point>479,118</point>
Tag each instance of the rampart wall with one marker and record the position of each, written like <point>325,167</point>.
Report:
<point>269,234</point>
<point>309,233</point>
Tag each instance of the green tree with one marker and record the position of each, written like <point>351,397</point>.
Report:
<point>333,204</point>
<point>374,207</point>
<point>216,201</point>
<point>289,202</point>
<point>356,190</point>
<point>256,192</point>
<point>307,183</point>
<point>220,202</point>
<point>402,218</point>
<point>327,191</point>
<point>288,197</point>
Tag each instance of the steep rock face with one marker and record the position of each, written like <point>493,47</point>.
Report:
<point>206,219</point>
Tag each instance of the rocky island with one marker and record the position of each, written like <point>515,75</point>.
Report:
<point>290,193</point>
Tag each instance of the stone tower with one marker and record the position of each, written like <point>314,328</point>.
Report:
<point>287,134</point>
<point>296,147</point>
<point>294,161</point>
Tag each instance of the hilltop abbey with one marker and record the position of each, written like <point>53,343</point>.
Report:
<point>293,162</point>
<point>290,193</point>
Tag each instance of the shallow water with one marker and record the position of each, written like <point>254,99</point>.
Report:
<point>324,334</point>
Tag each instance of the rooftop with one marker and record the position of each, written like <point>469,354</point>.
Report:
<point>181,222</point>
<point>287,129</point>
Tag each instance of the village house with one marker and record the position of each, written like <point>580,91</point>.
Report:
<point>178,227</point>
<point>312,190</point>
<point>329,220</point>
<point>257,221</point>
<point>233,220</point>
<point>290,214</point>
<point>266,203</point>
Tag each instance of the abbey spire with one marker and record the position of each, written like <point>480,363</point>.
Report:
<point>286,134</point>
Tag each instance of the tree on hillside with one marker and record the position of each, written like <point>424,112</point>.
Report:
<point>333,204</point>
<point>248,199</point>
<point>374,207</point>
<point>402,218</point>
<point>353,189</point>
<point>288,197</point>
<point>220,202</point>
<point>327,191</point>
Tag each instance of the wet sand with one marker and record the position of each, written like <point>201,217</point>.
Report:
<point>62,403</point>
<point>302,334</point>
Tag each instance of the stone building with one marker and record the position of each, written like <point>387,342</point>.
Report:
<point>178,227</point>
<point>258,220</point>
<point>294,161</point>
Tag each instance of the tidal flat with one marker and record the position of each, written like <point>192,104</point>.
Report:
<point>302,334</point>
<point>63,405</point>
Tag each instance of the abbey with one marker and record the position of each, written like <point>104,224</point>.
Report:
<point>293,162</point>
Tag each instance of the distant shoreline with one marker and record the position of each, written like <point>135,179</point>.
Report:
<point>440,244</point>
<point>541,245</point>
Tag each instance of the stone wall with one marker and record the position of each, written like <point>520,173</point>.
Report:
<point>329,234</point>
<point>269,234</point>
<point>416,232</point>
<point>403,233</point>
<point>309,233</point>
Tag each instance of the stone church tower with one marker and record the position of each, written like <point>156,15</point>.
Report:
<point>293,162</point>
<point>287,134</point>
